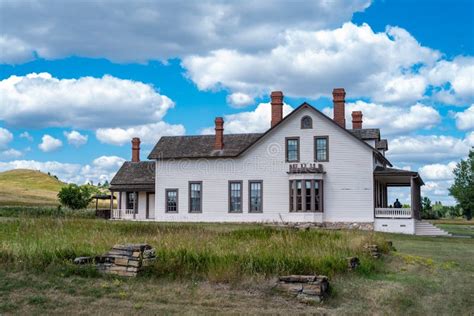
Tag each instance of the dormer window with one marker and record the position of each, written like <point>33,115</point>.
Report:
<point>306,122</point>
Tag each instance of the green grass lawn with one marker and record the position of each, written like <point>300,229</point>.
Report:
<point>227,268</point>
<point>459,230</point>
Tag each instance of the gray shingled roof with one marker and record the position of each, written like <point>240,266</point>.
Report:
<point>201,146</point>
<point>135,175</point>
<point>381,144</point>
<point>366,133</point>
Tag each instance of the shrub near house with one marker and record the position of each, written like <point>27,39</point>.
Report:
<point>76,197</point>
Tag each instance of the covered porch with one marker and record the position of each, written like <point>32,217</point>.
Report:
<point>133,203</point>
<point>134,187</point>
<point>384,178</point>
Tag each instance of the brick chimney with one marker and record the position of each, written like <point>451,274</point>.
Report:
<point>338,95</point>
<point>219,140</point>
<point>135,149</point>
<point>277,107</point>
<point>356,119</point>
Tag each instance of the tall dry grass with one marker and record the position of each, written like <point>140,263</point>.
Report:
<point>214,251</point>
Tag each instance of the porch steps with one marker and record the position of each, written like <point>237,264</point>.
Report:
<point>425,228</point>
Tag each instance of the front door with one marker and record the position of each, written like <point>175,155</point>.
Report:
<point>150,205</point>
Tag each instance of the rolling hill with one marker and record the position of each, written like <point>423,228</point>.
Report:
<point>28,187</point>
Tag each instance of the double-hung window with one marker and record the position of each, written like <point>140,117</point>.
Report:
<point>321,148</point>
<point>255,196</point>
<point>195,197</point>
<point>171,200</point>
<point>292,147</point>
<point>235,196</point>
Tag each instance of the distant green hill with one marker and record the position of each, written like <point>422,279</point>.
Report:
<point>28,187</point>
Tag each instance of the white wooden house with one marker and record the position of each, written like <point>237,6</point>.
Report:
<point>306,168</point>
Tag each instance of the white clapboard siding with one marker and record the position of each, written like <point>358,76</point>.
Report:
<point>347,183</point>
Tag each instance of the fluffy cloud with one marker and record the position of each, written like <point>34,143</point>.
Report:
<point>239,99</point>
<point>40,100</point>
<point>465,120</point>
<point>438,171</point>
<point>49,143</point>
<point>148,133</point>
<point>140,30</point>
<point>14,50</point>
<point>392,119</point>
<point>255,121</point>
<point>310,64</point>
<point>5,137</point>
<point>10,153</point>
<point>438,191</point>
<point>101,169</point>
<point>454,80</point>
<point>431,148</point>
<point>75,138</point>
<point>26,136</point>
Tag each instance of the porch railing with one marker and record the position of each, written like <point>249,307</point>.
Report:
<point>390,212</point>
<point>122,213</point>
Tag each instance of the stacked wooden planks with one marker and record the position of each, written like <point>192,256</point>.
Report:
<point>307,288</point>
<point>126,260</point>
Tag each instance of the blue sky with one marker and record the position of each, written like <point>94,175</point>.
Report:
<point>77,83</point>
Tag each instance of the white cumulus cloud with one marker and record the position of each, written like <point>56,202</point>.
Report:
<point>10,154</point>
<point>465,120</point>
<point>239,99</point>
<point>5,137</point>
<point>438,171</point>
<point>40,100</point>
<point>26,136</point>
<point>139,30</point>
<point>429,148</point>
<point>255,121</point>
<point>311,63</point>
<point>454,79</point>
<point>49,143</point>
<point>75,138</point>
<point>148,133</point>
<point>391,120</point>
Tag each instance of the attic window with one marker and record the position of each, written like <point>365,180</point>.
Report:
<point>306,122</point>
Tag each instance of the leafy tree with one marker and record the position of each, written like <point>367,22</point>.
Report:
<point>76,197</point>
<point>463,187</point>
<point>427,209</point>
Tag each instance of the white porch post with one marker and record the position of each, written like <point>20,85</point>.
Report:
<point>135,205</point>
<point>111,204</point>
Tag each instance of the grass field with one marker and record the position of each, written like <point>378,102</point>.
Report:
<point>28,187</point>
<point>209,268</point>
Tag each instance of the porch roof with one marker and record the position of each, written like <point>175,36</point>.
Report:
<point>134,176</point>
<point>397,176</point>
